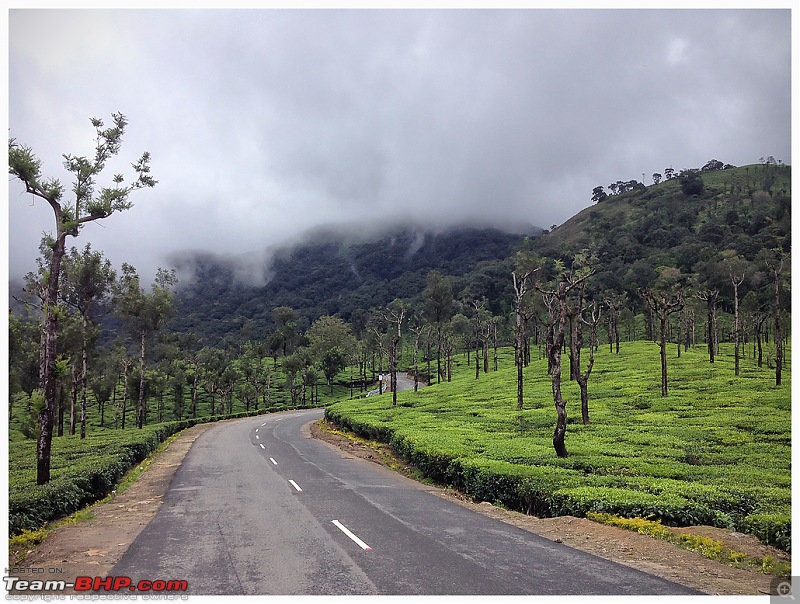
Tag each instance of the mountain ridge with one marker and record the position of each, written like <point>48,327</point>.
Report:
<point>685,222</point>
<point>332,273</point>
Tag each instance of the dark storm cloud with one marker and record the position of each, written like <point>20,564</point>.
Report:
<point>264,123</point>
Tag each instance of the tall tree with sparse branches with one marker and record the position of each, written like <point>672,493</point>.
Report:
<point>709,296</point>
<point>557,304</point>
<point>394,316</point>
<point>737,271</point>
<point>437,298</point>
<point>91,202</point>
<point>663,302</point>
<point>522,279</point>
<point>775,262</point>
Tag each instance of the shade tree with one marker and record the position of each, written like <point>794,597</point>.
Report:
<point>395,315</point>
<point>144,313</point>
<point>523,278</point>
<point>88,279</point>
<point>555,297</point>
<point>437,300</point>
<point>91,202</point>
<point>330,340</point>
<point>665,299</point>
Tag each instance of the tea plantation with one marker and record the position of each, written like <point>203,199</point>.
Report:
<point>83,470</point>
<point>716,451</point>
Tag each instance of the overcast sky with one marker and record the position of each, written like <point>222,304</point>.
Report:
<point>263,123</point>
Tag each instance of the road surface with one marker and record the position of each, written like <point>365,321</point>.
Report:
<point>404,382</point>
<point>260,508</point>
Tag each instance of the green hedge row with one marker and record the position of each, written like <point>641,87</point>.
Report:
<point>85,471</point>
<point>774,529</point>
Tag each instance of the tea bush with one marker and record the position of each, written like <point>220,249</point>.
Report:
<point>716,451</point>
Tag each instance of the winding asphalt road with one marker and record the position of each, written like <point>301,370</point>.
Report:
<point>260,508</point>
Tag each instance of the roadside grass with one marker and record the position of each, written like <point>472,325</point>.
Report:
<point>716,451</point>
<point>708,547</point>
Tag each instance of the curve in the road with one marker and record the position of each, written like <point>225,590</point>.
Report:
<point>259,508</point>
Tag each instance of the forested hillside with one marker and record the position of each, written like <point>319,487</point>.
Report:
<point>330,275</point>
<point>691,222</point>
<point>695,222</point>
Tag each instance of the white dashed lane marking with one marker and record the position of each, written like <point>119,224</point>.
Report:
<point>347,532</point>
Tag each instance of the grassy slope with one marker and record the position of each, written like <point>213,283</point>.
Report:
<point>716,450</point>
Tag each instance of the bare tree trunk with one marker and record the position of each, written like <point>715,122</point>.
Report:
<point>84,375</point>
<point>663,305</point>
<point>583,377</point>
<point>140,406</point>
<point>417,336</point>
<point>73,398</point>
<point>494,342</point>
<point>736,283</point>
<point>439,355</point>
<point>710,297</point>
<point>520,291</point>
<point>126,367</point>
<point>61,404</point>
<point>194,390</point>
<point>555,375</point>
<point>574,353</point>
<point>47,367</point>
<point>486,349</point>
<point>759,329</point>
<point>477,361</point>
<point>663,346</point>
<point>393,371</point>
<point>520,360</point>
<point>526,342</point>
<point>428,355</point>
<point>558,314</point>
<point>687,329</point>
<point>778,326</point>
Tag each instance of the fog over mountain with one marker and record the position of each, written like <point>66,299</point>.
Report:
<point>266,123</point>
<point>256,268</point>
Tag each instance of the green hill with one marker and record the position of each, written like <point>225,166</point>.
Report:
<point>331,273</point>
<point>684,222</point>
<point>745,210</point>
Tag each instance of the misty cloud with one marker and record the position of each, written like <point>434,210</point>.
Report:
<point>265,123</point>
